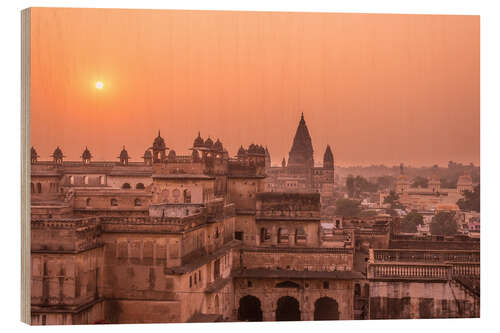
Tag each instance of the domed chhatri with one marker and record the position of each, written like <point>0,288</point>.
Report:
<point>241,151</point>
<point>159,148</point>
<point>198,141</point>
<point>86,156</point>
<point>159,143</point>
<point>148,157</point>
<point>218,146</point>
<point>172,155</point>
<point>34,155</point>
<point>58,156</point>
<point>209,143</point>
<point>124,156</point>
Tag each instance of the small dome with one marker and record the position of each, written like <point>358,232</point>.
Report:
<point>86,155</point>
<point>58,154</point>
<point>34,154</point>
<point>218,145</point>
<point>241,151</point>
<point>198,142</point>
<point>171,154</point>
<point>252,149</point>
<point>159,143</point>
<point>124,153</point>
<point>209,143</point>
<point>147,154</point>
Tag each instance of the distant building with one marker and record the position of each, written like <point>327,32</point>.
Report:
<point>300,174</point>
<point>464,183</point>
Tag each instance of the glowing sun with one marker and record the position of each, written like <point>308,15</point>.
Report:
<point>99,85</point>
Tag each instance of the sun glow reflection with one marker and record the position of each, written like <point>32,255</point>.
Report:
<point>99,85</point>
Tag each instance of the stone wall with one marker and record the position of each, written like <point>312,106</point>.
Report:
<point>298,259</point>
<point>410,300</point>
<point>307,294</point>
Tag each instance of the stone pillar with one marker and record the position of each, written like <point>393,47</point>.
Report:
<point>291,238</point>
<point>306,315</point>
<point>274,236</point>
<point>268,315</point>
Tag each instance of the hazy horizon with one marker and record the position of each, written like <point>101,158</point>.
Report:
<point>379,88</point>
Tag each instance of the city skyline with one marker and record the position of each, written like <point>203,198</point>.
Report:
<point>236,76</point>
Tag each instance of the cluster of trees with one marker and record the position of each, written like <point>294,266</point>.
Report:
<point>410,222</point>
<point>444,223</point>
<point>346,207</point>
<point>420,181</point>
<point>393,200</point>
<point>471,200</point>
<point>356,185</point>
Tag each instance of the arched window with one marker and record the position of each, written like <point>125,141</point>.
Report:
<point>101,180</point>
<point>114,202</point>
<point>126,186</point>
<point>300,236</point>
<point>287,284</point>
<point>176,193</point>
<point>357,290</point>
<point>282,236</point>
<point>72,180</point>
<point>32,188</point>
<point>138,202</point>
<point>85,180</point>
<point>39,187</point>
<point>264,235</point>
<point>187,196</point>
<point>140,186</point>
<point>89,201</point>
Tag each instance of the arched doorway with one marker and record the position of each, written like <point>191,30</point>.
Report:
<point>326,308</point>
<point>249,309</point>
<point>288,309</point>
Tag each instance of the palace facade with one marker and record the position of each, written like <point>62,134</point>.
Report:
<point>200,238</point>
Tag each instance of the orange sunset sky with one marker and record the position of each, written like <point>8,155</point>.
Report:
<point>377,88</point>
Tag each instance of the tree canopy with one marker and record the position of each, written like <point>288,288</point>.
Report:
<point>420,181</point>
<point>357,185</point>
<point>410,222</point>
<point>346,207</point>
<point>444,224</point>
<point>392,199</point>
<point>471,200</point>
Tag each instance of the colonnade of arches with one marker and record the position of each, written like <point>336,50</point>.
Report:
<point>287,309</point>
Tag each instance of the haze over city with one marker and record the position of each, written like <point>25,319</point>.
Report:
<point>380,89</point>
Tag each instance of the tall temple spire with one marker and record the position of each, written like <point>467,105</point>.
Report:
<point>301,154</point>
<point>328,158</point>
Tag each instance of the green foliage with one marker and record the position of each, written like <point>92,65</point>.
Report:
<point>420,181</point>
<point>410,222</point>
<point>384,182</point>
<point>357,185</point>
<point>392,199</point>
<point>346,207</point>
<point>471,200</point>
<point>444,224</point>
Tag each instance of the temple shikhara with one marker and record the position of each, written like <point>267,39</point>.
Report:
<point>225,236</point>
